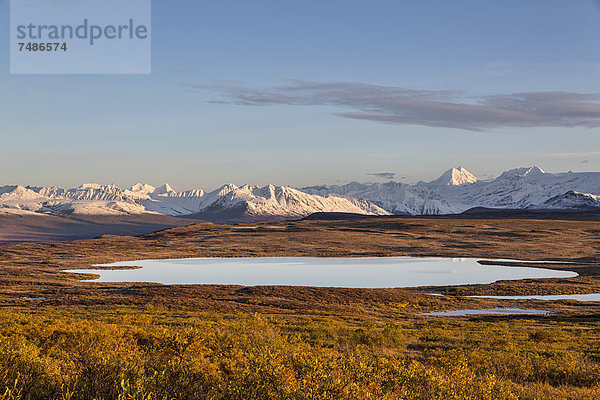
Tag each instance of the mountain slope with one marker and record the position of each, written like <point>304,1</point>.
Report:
<point>92,199</point>
<point>572,200</point>
<point>283,202</point>
<point>524,187</point>
<point>394,197</point>
<point>456,191</point>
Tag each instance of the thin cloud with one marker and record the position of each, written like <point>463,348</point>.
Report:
<point>590,154</point>
<point>383,175</point>
<point>434,108</point>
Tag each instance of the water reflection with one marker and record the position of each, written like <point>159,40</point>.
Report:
<point>577,297</point>
<point>487,311</point>
<point>382,272</point>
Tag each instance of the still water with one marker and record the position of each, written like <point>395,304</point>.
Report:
<point>487,311</point>
<point>381,272</point>
<point>577,297</point>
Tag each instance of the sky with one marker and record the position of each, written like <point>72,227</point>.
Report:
<point>313,92</point>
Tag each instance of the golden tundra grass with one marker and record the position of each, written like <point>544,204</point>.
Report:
<point>87,340</point>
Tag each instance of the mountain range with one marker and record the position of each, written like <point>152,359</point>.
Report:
<point>456,191</point>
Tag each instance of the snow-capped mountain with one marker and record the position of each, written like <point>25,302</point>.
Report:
<point>88,199</point>
<point>457,190</point>
<point>253,201</point>
<point>265,201</point>
<point>572,200</point>
<point>527,187</point>
<point>18,197</point>
<point>454,177</point>
<point>165,200</point>
<point>285,201</point>
<point>394,197</point>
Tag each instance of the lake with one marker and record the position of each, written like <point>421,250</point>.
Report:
<point>371,272</point>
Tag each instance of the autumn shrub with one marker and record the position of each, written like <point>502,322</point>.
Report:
<point>152,355</point>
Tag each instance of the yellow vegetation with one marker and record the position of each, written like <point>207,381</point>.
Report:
<point>150,355</point>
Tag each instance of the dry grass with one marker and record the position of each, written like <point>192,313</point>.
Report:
<point>149,341</point>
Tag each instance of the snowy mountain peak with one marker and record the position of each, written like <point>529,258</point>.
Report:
<point>90,186</point>
<point>17,191</point>
<point>225,189</point>
<point>455,177</point>
<point>522,172</point>
<point>164,189</point>
<point>142,188</point>
<point>535,170</point>
<point>457,190</point>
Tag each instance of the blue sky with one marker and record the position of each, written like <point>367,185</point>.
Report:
<point>311,92</point>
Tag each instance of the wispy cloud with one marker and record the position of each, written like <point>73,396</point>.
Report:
<point>435,108</point>
<point>383,175</point>
<point>589,154</point>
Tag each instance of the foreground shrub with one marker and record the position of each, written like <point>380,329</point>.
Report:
<point>248,357</point>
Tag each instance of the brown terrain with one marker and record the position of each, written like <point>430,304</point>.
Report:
<point>36,228</point>
<point>33,271</point>
<point>65,337</point>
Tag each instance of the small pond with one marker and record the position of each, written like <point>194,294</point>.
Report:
<point>577,297</point>
<point>487,311</point>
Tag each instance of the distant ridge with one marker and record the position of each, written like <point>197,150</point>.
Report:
<point>332,216</point>
<point>455,191</point>
<point>573,200</point>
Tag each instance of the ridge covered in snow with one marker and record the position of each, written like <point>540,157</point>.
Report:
<point>573,200</point>
<point>93,199</point>
<point>395,197</point>
<point>457,190</point>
